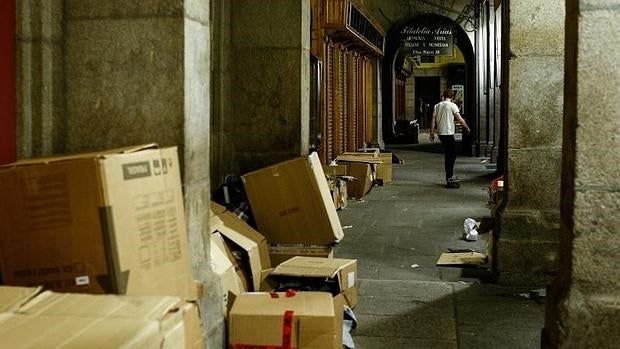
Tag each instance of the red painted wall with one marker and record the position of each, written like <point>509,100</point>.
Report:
<point>8,126</point>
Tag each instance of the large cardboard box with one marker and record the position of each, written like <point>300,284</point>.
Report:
<point>337,275</point>
<point>292,204</point>
<point>11,298</point>
<point>107,222</point>
<point>304,320</point>
<point>362,183</point>
<point>282,253</point>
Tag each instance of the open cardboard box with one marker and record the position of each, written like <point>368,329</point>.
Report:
<point>292,204</point>
<point>334,274</point>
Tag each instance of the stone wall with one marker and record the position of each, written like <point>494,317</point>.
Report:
<point>583,311</point>
<point>263,110</point>
<point>104,74</point>
<point>529,225</point>
<point>40,67</point>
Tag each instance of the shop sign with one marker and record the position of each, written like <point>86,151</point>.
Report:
<point>427,40</point>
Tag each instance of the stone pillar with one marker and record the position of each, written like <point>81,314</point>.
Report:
<point>40,64</point>
<point>529,225</point>
<point>139,72</point>
<point>270,83</point>
<point>582,310</point>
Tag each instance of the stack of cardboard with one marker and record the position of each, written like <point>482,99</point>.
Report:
<point>363,167</point>
<point>83,321</point>
<point>294,209</point>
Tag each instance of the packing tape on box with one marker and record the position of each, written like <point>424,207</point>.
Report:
<point>287,333</point>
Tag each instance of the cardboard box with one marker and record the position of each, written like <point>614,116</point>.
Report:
<point>384,170</point>
<point>194,337</point>
<point>282,253</point>
<point>235,223</point>
<point>21,331</point>
<point>224,268</point>
<point>362,183</point>
<point>107,222</point>
<point>244,249</point>
<point>11,298</point>
<point>337,275</point>
<point>292,204</point>
<point>304,320</point>
<point>335,170</point>
<point>239,260</point>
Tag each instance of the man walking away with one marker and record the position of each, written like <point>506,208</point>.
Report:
<point>443,123</point>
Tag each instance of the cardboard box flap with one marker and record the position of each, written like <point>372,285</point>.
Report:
<point>104,153</point>
<point>215,208</point>
<point>153,308</point>
<point>368,154</point>
<point>312,266</point>
<point>48,331</point>
<point>235,223</point>
<point>11,298</point>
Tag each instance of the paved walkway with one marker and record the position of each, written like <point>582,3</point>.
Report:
<point>397,233</point>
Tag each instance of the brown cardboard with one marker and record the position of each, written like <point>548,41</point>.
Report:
<point>384,170</point>
<point>11,298</point>
<point>20,331</point>
<point>333,271</point>
<point>233,222</point>
<point>243,273</point>
<point>291,203</point>
<point>249,251</point>
<point>257,319</point>
<point>194,338</point>
<point>224,269</point>
<point>463,258</point>
<point>281,253</point>
<point>162,310</point>
<point>335,170</point>
<point>359,157</point>
<point>363,179</point>
<point>108,222</point>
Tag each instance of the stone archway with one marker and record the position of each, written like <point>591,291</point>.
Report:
<point>392,48</point>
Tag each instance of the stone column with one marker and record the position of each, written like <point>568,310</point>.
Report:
<point>40,64</point>
<point>139,72</point>
<point>270,82</point>
<point>582,310</point>
<point>529,225</point>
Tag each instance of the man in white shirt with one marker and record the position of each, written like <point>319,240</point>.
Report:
<point>443,123</point>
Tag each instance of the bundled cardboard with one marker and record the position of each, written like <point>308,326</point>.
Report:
<point>282,253</point>
<point>152,321</point>
<point>12,298</point>
<point>292,204</point>
<point>337,275</point>
<point>304,320</point>
<point>107,222</point>
<point>18,331</point>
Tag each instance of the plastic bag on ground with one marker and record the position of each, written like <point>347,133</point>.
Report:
<point>469,230</point>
